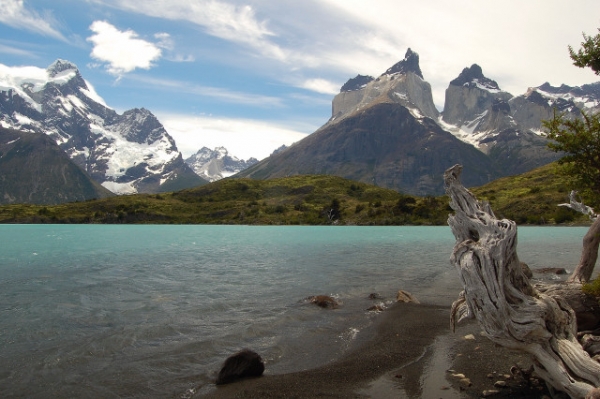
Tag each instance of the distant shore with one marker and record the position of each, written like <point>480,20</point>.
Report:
<point>413,354</point>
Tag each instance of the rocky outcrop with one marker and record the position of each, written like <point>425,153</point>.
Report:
<point>357,83</point>
<point>402,83</point>
<point>469,96</point>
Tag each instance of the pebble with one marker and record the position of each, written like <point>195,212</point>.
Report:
<point>500,384</point>
<point>469,337</point>
<point>489,392</point>
<point>466,382</point>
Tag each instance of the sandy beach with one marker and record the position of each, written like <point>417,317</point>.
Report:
<point>410,353</point>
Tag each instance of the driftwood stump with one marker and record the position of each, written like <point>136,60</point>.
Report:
<point>509,309</point>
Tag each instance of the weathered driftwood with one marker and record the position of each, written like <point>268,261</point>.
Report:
<point>591,241</point>
<point>579,206</point>
<point>508,308</point>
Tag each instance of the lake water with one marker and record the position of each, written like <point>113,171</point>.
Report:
<point>152,311</point>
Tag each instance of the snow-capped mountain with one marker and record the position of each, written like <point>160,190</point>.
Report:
<point>382,131</point>
<point>217,164</point>
<point>387,130</point>
<point>128,153</point>
<point>476,110</point>
<point>507,128</point>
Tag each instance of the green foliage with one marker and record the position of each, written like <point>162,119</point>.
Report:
<point>531,198</point>
<point>592,288</point>
<point>579,140</point>
<point>589,53</point>
<point>528,198</point>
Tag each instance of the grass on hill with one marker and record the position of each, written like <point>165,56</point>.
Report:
<point>310,199</point>
<point>530,198</point>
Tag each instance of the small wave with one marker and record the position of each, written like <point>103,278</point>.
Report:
<point>350,334</point>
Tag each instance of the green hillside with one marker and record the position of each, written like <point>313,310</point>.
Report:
<point>309,199</point>
<point>531,197</point>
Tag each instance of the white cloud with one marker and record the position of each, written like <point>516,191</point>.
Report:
<point>517,49</point>
<point>221,94</point>
<point>15,51</point>
<point>235,23</point>
<point>123,51</point>
<point>321,86</point>
<point>14,13</point>
<point>243,138</point>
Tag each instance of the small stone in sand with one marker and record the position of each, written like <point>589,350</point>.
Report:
<point>489,392</point>
<point>466,382</point>
<point>469,337</point>
<point>500,384</point>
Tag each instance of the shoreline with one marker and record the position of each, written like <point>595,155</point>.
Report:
<point>410,353</point>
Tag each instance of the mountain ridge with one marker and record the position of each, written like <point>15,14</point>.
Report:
<point>477,112</point>
<point>126,153</point>
<point>34,170</point>
<point>217,164</point>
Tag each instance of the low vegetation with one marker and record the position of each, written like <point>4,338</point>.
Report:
<point>530,198</point>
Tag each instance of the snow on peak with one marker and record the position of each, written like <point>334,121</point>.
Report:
<point>586,96</point>
<point>91,93</point>
<point>473,77</point>
<point>59,67</point>
<point>27,80</point>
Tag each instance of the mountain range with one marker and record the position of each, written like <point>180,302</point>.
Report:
<point>126,153</point>
<point>387,130</point>
<point>384,131</point>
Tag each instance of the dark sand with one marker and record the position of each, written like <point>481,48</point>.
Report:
<point>412,354</point>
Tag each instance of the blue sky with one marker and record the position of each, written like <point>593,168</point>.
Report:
<point>253,75</point>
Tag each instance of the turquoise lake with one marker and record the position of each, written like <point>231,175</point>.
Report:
<point>152,311</point>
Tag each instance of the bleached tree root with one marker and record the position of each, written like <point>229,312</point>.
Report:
<point>591,241</point>
<point>509,309</point>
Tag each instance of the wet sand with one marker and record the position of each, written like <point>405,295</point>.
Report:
<point>410,353</point>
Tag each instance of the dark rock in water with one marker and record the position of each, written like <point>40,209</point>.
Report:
<point>243,364</point>
<point>323,301</point>
<point>406,297</point>
<point>551,270</point>
<point>375,296</point>
<point>377,308</point>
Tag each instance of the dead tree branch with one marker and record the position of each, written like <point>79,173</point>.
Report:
<point>508,308</point>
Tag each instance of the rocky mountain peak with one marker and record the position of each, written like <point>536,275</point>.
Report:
<point>217,164</point>
<point>357,83</point>
<point>410,63</point>
<point>403,83</point>
<point>127,153</point>
<point>59,66</point>
<point>473,77</point>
